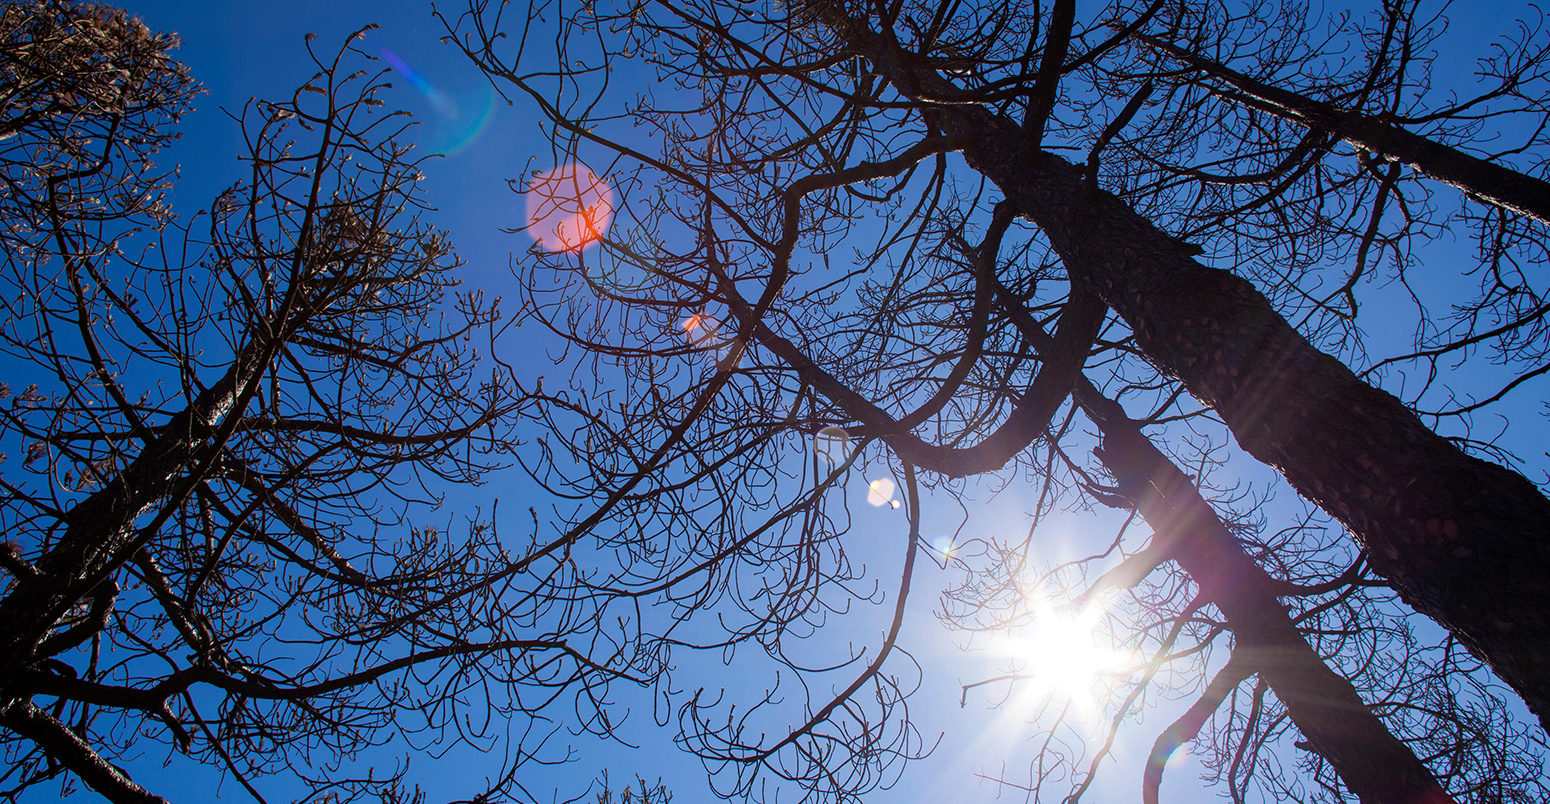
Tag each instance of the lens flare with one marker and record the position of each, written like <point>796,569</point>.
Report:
<point>832,443</point>
<point>880,493</point>
<point>454,126</point>
<point>568,208</point>
<point>439,101</point>
<point>460,129</point>
<point>702,330</point>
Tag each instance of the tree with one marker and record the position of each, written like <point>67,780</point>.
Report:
<point>907,131</point>
<point>220,510</point>
<point>641,793</point>
<point>1414,499</point>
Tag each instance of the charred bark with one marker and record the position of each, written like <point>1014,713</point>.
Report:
<point>1374,764</point>
<point>100,531</point>
<point>65,747</point>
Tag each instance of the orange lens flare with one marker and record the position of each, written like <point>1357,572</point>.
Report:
<point>702,330</point>
<point>568,208</point>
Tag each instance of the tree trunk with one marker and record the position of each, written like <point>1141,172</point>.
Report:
<point>1462,540</point>
<point>1339,726</point>
<point>1490,182</point>
<point>101,529</point>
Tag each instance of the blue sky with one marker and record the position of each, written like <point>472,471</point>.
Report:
<point>239,51</point>
<point>243,50</point>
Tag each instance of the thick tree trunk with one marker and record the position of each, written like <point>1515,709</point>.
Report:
<point>1488,181</point>
<point>1325,706</point>
<point>1338,725</point>
<point>1461,539</point>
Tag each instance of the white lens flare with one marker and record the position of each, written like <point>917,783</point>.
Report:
<point>832,444</point>
<point>880,493</point>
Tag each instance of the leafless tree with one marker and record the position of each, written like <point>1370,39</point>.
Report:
<point>904,235</point>
<point>229,436</point>
<point>642,792</point>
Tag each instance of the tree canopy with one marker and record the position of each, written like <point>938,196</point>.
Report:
<point>1166,268</point>
<point>963,240</point>
<point>220,510</point>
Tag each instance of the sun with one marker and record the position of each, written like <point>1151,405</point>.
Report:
<point>1063,653</point>
<point>568,208</point>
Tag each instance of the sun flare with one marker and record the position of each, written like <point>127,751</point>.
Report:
<point>1063,653</point>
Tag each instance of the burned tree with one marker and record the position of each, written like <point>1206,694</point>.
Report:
<point>848,221</point>
<point>234,431</point>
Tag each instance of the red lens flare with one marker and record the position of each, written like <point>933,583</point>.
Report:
<point>702,330</point>
<point>568,208</point>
